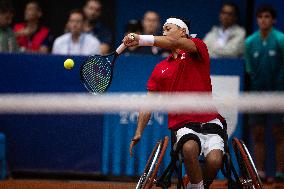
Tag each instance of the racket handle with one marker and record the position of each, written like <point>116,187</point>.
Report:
<point>121,48</point>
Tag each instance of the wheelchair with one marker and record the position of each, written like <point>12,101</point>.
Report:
<point>248,177</point>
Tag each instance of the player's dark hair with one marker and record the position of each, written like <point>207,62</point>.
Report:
<point>6,6</point>
<point>234,6</point>
<point>266,8</point>
<point>186,21</point>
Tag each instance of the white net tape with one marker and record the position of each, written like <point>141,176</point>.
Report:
<point>116,102</point>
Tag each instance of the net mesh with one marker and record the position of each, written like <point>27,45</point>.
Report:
<point>117,102</point>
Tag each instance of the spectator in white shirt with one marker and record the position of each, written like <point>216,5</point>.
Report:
<point>76,42</point>
<point>226,40</point>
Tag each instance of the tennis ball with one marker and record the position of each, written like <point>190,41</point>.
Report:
<point>68,64</point>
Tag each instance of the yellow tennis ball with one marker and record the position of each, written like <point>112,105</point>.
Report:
<point>68,64</point>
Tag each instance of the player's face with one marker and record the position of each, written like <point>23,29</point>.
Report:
<point>75,23</point>
<point>172,30</point>
<point>265,21</point>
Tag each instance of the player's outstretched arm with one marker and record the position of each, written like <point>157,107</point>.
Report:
<point>143,119</point>
<point>167,42</point>
<point>142,122</point>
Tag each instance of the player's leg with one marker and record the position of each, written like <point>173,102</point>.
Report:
<point>191,153</point>
<point>189,144</point>
<point>213,152</point>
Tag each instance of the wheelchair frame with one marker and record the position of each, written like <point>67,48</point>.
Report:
<point>247,179</point>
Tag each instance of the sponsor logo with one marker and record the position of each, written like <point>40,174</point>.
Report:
<point>165,70</point>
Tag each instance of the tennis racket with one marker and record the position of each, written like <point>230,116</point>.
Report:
<point>96,72</point>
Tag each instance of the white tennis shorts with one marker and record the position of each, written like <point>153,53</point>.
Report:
<point>209,142</point>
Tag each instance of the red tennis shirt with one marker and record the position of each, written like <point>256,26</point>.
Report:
<point>187,73</point>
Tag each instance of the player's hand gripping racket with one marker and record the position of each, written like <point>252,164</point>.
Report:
<point>96,72</point>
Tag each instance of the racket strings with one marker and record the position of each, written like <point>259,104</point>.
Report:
<point>96,73</point>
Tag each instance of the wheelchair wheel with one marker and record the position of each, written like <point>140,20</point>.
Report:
<point>249,177</point>
<point>149,175</point>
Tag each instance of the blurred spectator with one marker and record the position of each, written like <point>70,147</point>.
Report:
<point>134,26</point>
<point>92,11</point>
<point>31,35</point>
<point>7,39</point>
<point>151,23</point>
<point>264,55</point>
<point>76,42</point>
<point>226,40</point>
<point>151,26</point>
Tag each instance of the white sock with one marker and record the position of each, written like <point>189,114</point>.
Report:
<point>195,186</point>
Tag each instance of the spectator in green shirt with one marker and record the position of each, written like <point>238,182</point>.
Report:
<point>7,39</point>
<point>264,57</point>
